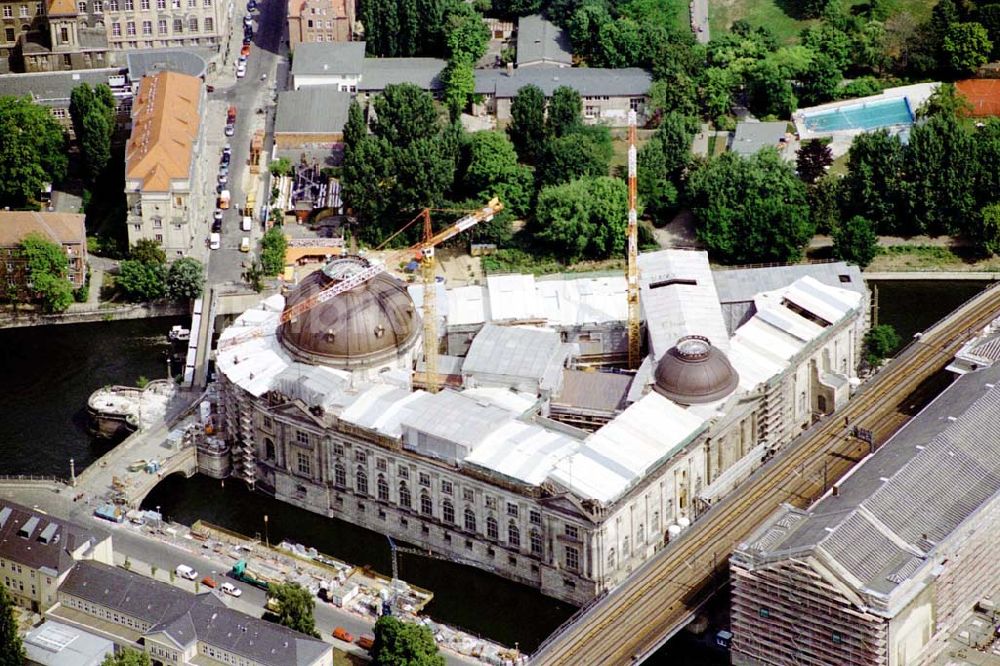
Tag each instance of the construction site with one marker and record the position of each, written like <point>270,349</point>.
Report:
<point>557,432</point>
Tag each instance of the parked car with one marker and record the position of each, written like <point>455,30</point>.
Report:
<point>366,641</point>
<point>223,177</point>
<point>252,6</point>
<point>224,199</point>
<point>216,226</point>
<point>247,20</point>
<point>226,157</point>
<point>231,589</point>
<point>209,582</point>
<point>245,244</point>
<point>184,571</point>
<point>227,149</point>
<point>247,223</point>
<point>241,71</point>
<point>245,51</point>
<point>214,241</point>
<point>217,215</point>
<point>247,38</point>
<point>342,634</point>
<point>231,129</point>
<point>231,115</point>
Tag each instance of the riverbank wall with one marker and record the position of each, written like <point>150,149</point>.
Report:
<point>944,276</point>
<point>82,314</point>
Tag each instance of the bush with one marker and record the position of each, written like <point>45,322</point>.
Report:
<point>881,342</point>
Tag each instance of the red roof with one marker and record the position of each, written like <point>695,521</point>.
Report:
<point>983,94</point>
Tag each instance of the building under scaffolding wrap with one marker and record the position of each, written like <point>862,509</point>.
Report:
<point>890,562</point>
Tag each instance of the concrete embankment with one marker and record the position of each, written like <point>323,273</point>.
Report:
<point>942,276</point>
<point>84,314</point>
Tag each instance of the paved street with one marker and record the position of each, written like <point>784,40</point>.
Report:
<point>699,20</point>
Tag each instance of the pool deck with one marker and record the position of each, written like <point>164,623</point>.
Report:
<point>917,95</point>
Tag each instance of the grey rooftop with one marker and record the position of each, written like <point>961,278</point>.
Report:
<point>50,87</point>
<point>541,42</point>
<point>318,58</point>
<point>588,81</point>
<point>752,137</point>
<point>312,110</point>
<point>40,541</point>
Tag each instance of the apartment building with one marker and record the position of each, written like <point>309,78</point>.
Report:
<point>320,21</point>
<point>147,24</point>
<point>160,164</point>
<point>37,552</point>
<point>65,229</point>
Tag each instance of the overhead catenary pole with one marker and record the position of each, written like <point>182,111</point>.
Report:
<point>632,275</point>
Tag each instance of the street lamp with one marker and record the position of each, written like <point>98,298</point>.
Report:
<point>267,540</point>
<point>159,518</point>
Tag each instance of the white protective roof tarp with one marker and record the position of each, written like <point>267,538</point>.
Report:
<point>522,451</point>
<point>583,300</point>
<point>254,363</point>
<point>381,408</point>
<point>468,305</point>
<point>513,297</point>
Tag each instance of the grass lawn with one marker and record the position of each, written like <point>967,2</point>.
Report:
<point>771,13</point>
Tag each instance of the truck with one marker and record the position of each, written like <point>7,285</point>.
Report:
<point>242,573</point>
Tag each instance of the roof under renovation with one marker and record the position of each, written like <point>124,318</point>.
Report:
<point>904,502</point>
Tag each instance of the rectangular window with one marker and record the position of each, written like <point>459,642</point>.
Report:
<point>301,437</point>
<point>129,5</point>
<point>635,103</point>
<point>764,612</point>
<point>178,26</point>
<point>98,7</point>
<point>425,479</point>
<point>572,558</point>
<point>81,7</point>
<point>130,28</point>
<point>161,26</point>
<point>209,24</point>
<point>381,464</point>
<point>161,4</point>
<point>360,456</point>
<point>534,517</point>
<point>193,25</point>
<point>147,27</point>
<point>403,472</point>
<point>144,5</point>
<point>112,5</point>
<point>468,494</point>
<point>572,532</point>
<point>491,502</point>
<point>446,487</point>
<point>304,464</point>
<point>511,510</point>
<point>338,450</point>
<point>159,238</point>
<point>8,11</point>
<point>24,11</point>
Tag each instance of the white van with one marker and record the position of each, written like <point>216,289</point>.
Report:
<point>247,221</point>
<point>184,571</point>
<point>214,241</point>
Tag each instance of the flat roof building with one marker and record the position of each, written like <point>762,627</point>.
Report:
<point>56,644</point>
<point>751,138</point>
<point>344,65</point>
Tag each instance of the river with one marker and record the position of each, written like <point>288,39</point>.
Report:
<point>48,373</point>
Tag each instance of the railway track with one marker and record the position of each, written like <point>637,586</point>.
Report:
<point>634,619</point>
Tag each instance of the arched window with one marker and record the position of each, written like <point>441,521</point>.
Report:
<point>492,529</point>
<point>339,475</point>
<point>268,449</point>
<point>536,543</point>
<point>447,511</point>
<point>640,535</point>
<point>383,489</point>
<point>611,560</point>
<point>426,505</point>
<point>362,481</point>
<point>513,535</point>
<point>470,519</point>
<point>404,495</point>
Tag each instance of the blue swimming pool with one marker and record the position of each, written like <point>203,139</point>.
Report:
<point>866,116</point>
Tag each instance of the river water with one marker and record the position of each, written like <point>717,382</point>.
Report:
<point>47,373</point>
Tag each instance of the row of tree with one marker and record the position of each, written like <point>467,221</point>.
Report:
<point>145,276</point>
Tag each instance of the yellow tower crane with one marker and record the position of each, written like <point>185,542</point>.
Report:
<point>632,275</point>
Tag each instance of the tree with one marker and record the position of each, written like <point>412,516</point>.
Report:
<point>355,129</point>
<point>966,46</point>
<point>141,281</point>
<point>881,342</point>
<point>492,170</point>
<point>280,167</point>
<point>32,150</point>
<point>988,238</point>
<point>48,268</point>
<point>467,34</point>
<point>459,84</point>
<point>296,607</point>
<point>93,115</point>
<point>127,657</point>
<point>946,101</point>
<point>527,127</point>
<point>807,9</point>
<point>939,176</point>
<point>585,218</point>
<point>148,251</point>
<point>750,210</point>
<point>400,643</point>
<point>662,161</point>
<point>813,159</point>
<point>404,113</point>
<point>770,91</point>
<point>564,112</point>
<point>570,157</point>
<point>855,241</point>
<point>818,84</point>
<point>185,279</point>
<point>272,251</point>
<point>872,186</point>
<point>11,648</point>
<point>619,44</point>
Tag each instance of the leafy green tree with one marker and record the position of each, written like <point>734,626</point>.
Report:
<point>873,184</point>
<point>946,101</point>
<point>11,648</point>
<point>717,92</point>
<point>280,167</point>
<point>400,643</point>
<point>661,163</point>
<point>32,150</point>
<point>988,238</point>
<point>585,27</point>
<point>835,44</point>
<point>824,204</point>
<point>863,86</point>
<point>459,85</point>
<point>512,8</point>
<point>404,113</point>
<point>619,44</point>
<point>675,92</point>
<point>272,251</point>
<point>770,90</point>
<point>806,9</point>
<point>585,218</point>
<point>467,34</point>
<point>966,47</point>
<point>93,115</point>
<point>988,16</point>
<point>939,176</point>
<point>127,657</point>
<point>142,281</point>
<point>750,210</point>
<point>492,170</point>
<point>296,607</point>
<point>185,279</point>
<point>818,84</point>
<point>855,241</point>
<point>813,159</point>
<point>570,157</point>
<point>48,268</point>
<point>881,342</point>
<point>527,127</point>
<point>355,129</point>
<point>985,161</point>
<point>564,111</point>
<point>148,251</point>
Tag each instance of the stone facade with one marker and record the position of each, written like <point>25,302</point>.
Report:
<point>145,24</point>
<point>320,21</point>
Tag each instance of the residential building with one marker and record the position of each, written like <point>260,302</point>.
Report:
<point>149,24</point>
<point>542,42</point>
<point>17,17</point>
<point>160,164</point>
<point>64,229</point>
<point>62,40</point>
<point>176,627</point>
<point>750,138</point>
<point>320,21</point>
<point>321,412</point>
<point>37,553</point>
<point>53,90</point>
<point>344,65</point>
<point>56,644</point>
<point>311,118</point>
<point>889,563</point>
<point>608,94</point>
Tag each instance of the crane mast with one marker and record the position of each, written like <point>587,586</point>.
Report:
<point>632,275</point>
